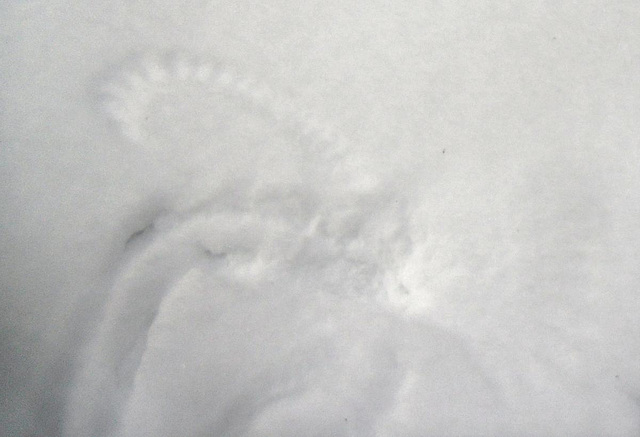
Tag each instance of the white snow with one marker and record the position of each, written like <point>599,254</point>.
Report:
<point>304,219</point>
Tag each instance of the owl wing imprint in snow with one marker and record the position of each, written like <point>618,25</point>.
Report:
<point>204,120</point>
<point>268,194</point>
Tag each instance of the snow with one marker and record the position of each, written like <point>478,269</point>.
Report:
<point>319,219</point>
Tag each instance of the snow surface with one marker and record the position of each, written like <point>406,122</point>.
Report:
<point>320,219</point>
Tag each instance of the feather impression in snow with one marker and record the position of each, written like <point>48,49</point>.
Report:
<point>263,292</point>
<point>206,121</point>
<point>272,221</point>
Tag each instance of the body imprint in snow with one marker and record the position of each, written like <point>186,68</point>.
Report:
<point>259,196</point>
